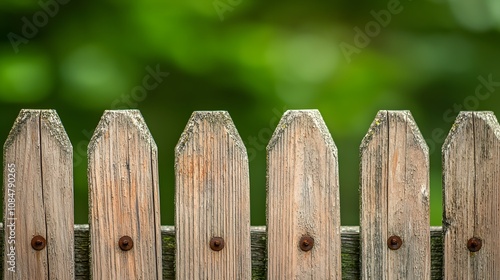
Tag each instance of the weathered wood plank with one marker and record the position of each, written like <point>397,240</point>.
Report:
<point>303,199</point>
<point>57,182</point>
<point>471,197</point>
<point>38,198</point>
<point>212,200</point>
<point>123,198</point>
<point>373,191</point>
<point>395,199</point>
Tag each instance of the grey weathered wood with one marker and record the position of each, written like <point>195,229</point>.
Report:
<point>394,199</point>
<point>303,199</point>
<point>123,198</point>
<point>350,252</point>
<point>38,164</point>
<point>471,196</point>
<point>212,199</point>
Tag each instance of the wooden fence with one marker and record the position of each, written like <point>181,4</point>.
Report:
<point>213,238</point>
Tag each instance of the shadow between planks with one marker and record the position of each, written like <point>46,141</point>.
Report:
<point>350,252</point>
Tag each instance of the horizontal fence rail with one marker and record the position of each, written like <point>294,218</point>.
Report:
<point>212,237</point>
<point>349,239</point>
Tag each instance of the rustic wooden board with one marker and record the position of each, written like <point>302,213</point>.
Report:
<point>303,199</point>
<point>471,197</point>
<point>38,198</point>
<point>123,198</point>
<point>394,199</point>
<point>212,199</point>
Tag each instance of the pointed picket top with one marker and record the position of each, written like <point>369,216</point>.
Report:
<point>133,117</point>
<point>49,119</point>
<point>460,125</point>
<point>313,116</point>
<point>394,188</point>
<point>19,124</point>
<point>471,197</point>
<point>418,139</point>
<point>303,211</point>
<point>214,117</point>
<point>380,122</point>
<point>124,198</point>
<point>212,199</point>
<point>38,198</point>
<point>375,128</point>
<point>51,122</point>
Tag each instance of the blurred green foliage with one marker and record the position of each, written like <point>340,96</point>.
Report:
<point>253,59</point>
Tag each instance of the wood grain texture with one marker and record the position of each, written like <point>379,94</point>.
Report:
<point>471,196</point>
<point>394,199</point>
<point>123,198</point>
<point>303,199</point>
<point>212,199</point>
<point>38,198</point>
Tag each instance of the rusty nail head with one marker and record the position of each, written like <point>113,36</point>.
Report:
<point>217,243</point>
<point>394,242</point>
<point>126,243</point>
<point>474,244</point>
<point>306,243</point>
<point>38,242</point>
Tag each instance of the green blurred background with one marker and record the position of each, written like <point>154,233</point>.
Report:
<point>255,59</point>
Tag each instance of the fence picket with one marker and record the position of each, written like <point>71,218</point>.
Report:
<point>471,197</point>
<point>123,199</point>
<point>212,200</point>
<point>212,238</point>
<point>38,199</point>
<point>394,199</point>
<point>303,200</point>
